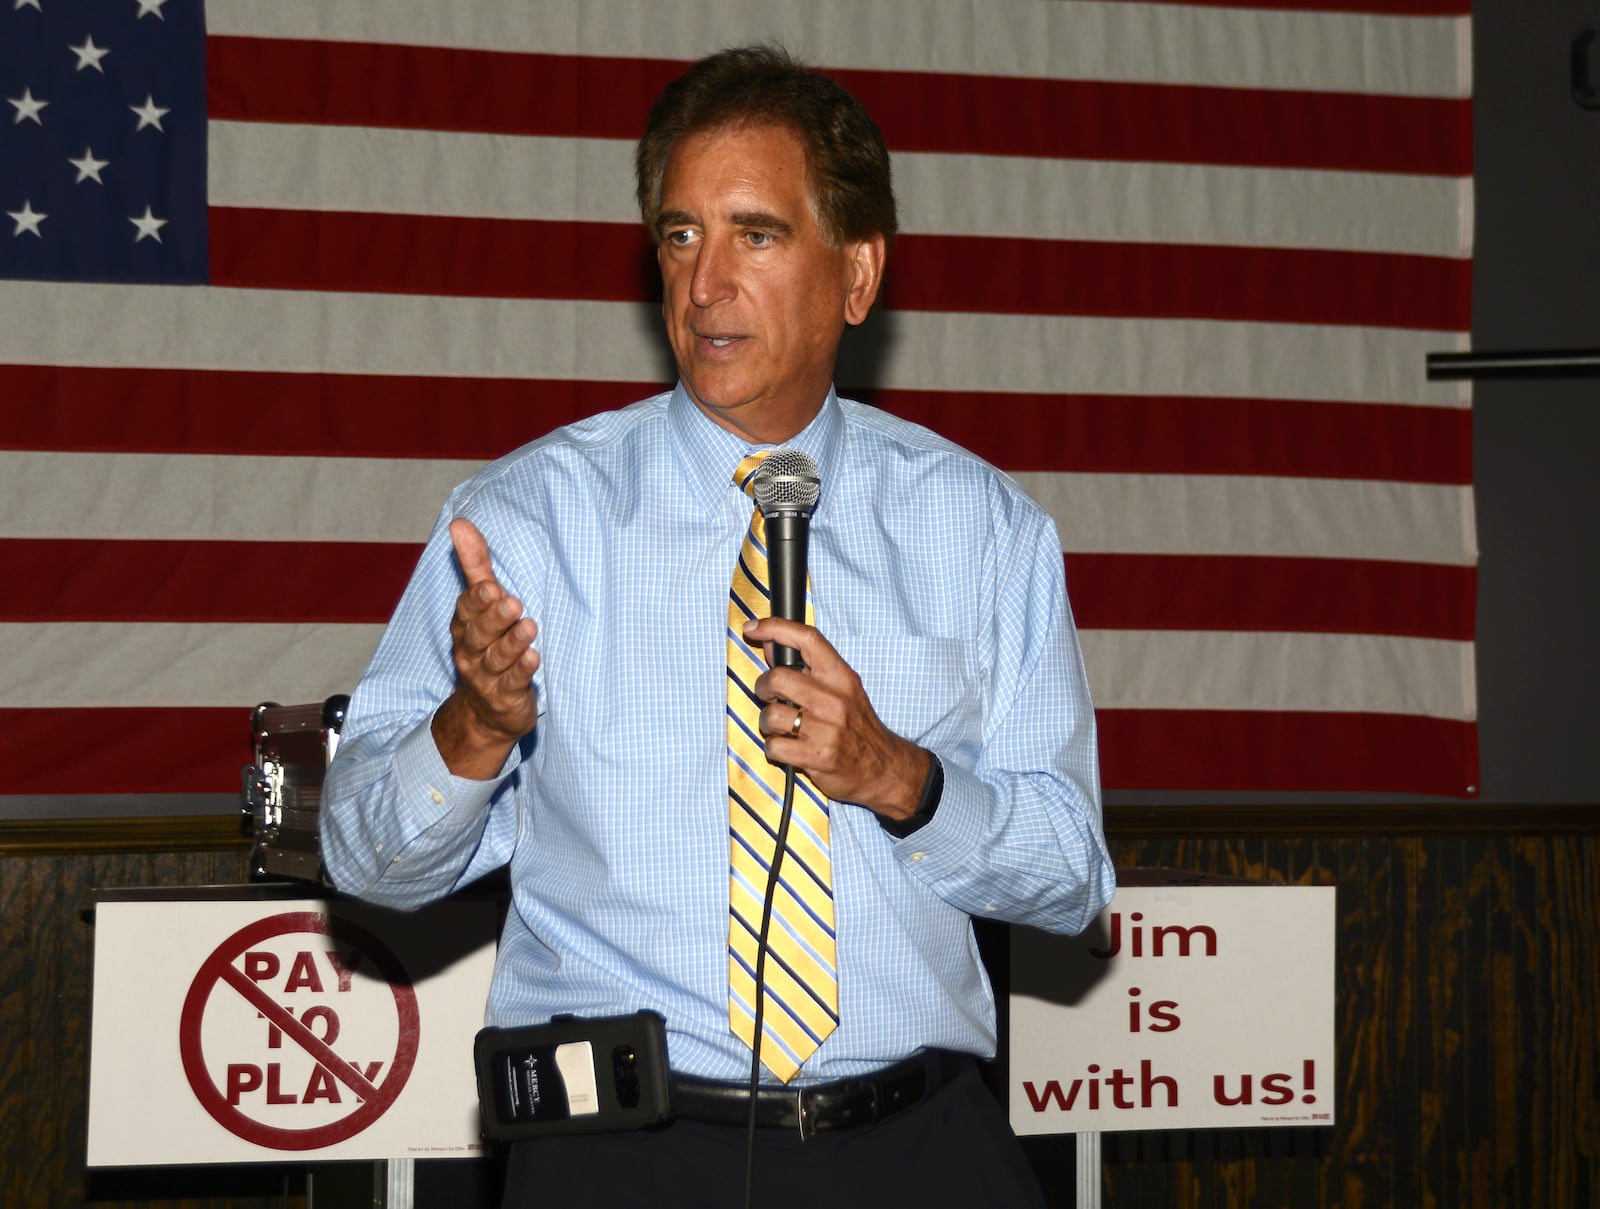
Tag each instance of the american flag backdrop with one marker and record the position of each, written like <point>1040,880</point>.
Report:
<point>276,275</point>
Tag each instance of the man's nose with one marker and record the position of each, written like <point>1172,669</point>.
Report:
<point>712,280</point>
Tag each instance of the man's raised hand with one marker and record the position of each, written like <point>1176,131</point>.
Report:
<point>493,705</point>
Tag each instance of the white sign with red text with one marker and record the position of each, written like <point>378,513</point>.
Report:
<point>1183,1006</point>
<point>248,1030</point>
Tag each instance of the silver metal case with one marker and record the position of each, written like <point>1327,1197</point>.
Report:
<point>282,791</point>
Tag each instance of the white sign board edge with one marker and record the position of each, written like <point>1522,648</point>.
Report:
<point>1181,1007</point>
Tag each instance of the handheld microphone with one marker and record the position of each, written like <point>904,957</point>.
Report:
<point>786,488</point>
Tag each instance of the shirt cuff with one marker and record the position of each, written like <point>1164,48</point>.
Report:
<point>950,843</point>
<point>431,790</point>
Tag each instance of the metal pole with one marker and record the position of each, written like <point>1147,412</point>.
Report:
<point>1088,1167</point>
<point>399,1186</point>
<point>1546,363</point>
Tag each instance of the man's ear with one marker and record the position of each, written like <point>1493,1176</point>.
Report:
<point>866,276</point>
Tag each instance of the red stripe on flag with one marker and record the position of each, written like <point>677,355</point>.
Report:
<point>360,582</point>
<point>143,750</point>
<point>1178,281</point>
<point>425,254</point>
<point>200,750</point>
<point>614,262</point>
<point>348,415</point>
<point>79,409</point>
<point>1229,592</point>
<point>1264,750</point>
<point>1153,434</point>
<point>415,87</point>
<point>1167,123</point>
<point>202,581</point>
<point>430,88</point>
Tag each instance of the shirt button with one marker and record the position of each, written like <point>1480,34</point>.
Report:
<point>917,856</point>
<point>438,798</point>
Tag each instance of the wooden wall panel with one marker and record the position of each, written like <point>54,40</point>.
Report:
<point>1469,973</point>
<point>46,962</point>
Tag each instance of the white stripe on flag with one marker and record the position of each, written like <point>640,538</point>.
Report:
<point>1362,673</point>
<point>224,498</point>
<point>1160,43</point>
<point>165,664</point>
<point>1078,355</point>
<point>377,171</point>
<point>156,327</point>
<point>1134,202</point>
<point>1243,514</point>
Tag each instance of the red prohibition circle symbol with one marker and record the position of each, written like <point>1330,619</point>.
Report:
<point>219,970</point>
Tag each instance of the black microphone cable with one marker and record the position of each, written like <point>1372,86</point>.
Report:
<point>761,966</point>
<point>786,489</point>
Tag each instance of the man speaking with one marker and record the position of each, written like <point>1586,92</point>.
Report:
<point>580,683</point>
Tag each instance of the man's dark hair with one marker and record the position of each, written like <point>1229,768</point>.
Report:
<point>847,164</point>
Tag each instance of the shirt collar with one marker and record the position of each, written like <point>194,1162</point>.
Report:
<point>710,452</point>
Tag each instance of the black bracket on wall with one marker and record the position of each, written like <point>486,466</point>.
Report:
<point>1576,363</point>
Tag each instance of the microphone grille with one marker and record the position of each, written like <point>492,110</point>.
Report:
<point>787,481</point>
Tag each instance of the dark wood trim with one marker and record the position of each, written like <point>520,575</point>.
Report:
<point>1353,820</point>
<point>207,833</point>
<point>163,833</point>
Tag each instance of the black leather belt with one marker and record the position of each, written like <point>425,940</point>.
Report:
<point>820,1107</point>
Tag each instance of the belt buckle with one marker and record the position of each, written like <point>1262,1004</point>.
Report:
<point>849,1103</point>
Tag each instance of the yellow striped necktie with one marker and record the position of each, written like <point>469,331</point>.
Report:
<point>800,979</point>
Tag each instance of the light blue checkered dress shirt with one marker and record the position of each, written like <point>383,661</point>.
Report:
<point>936,579</point>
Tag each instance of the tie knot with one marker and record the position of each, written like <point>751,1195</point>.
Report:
<point>745,474</point>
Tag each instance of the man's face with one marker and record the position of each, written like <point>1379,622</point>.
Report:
<point>755,298</point>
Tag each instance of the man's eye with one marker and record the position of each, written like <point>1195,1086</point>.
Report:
<point>680,238</point>
<point>759,239</point>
